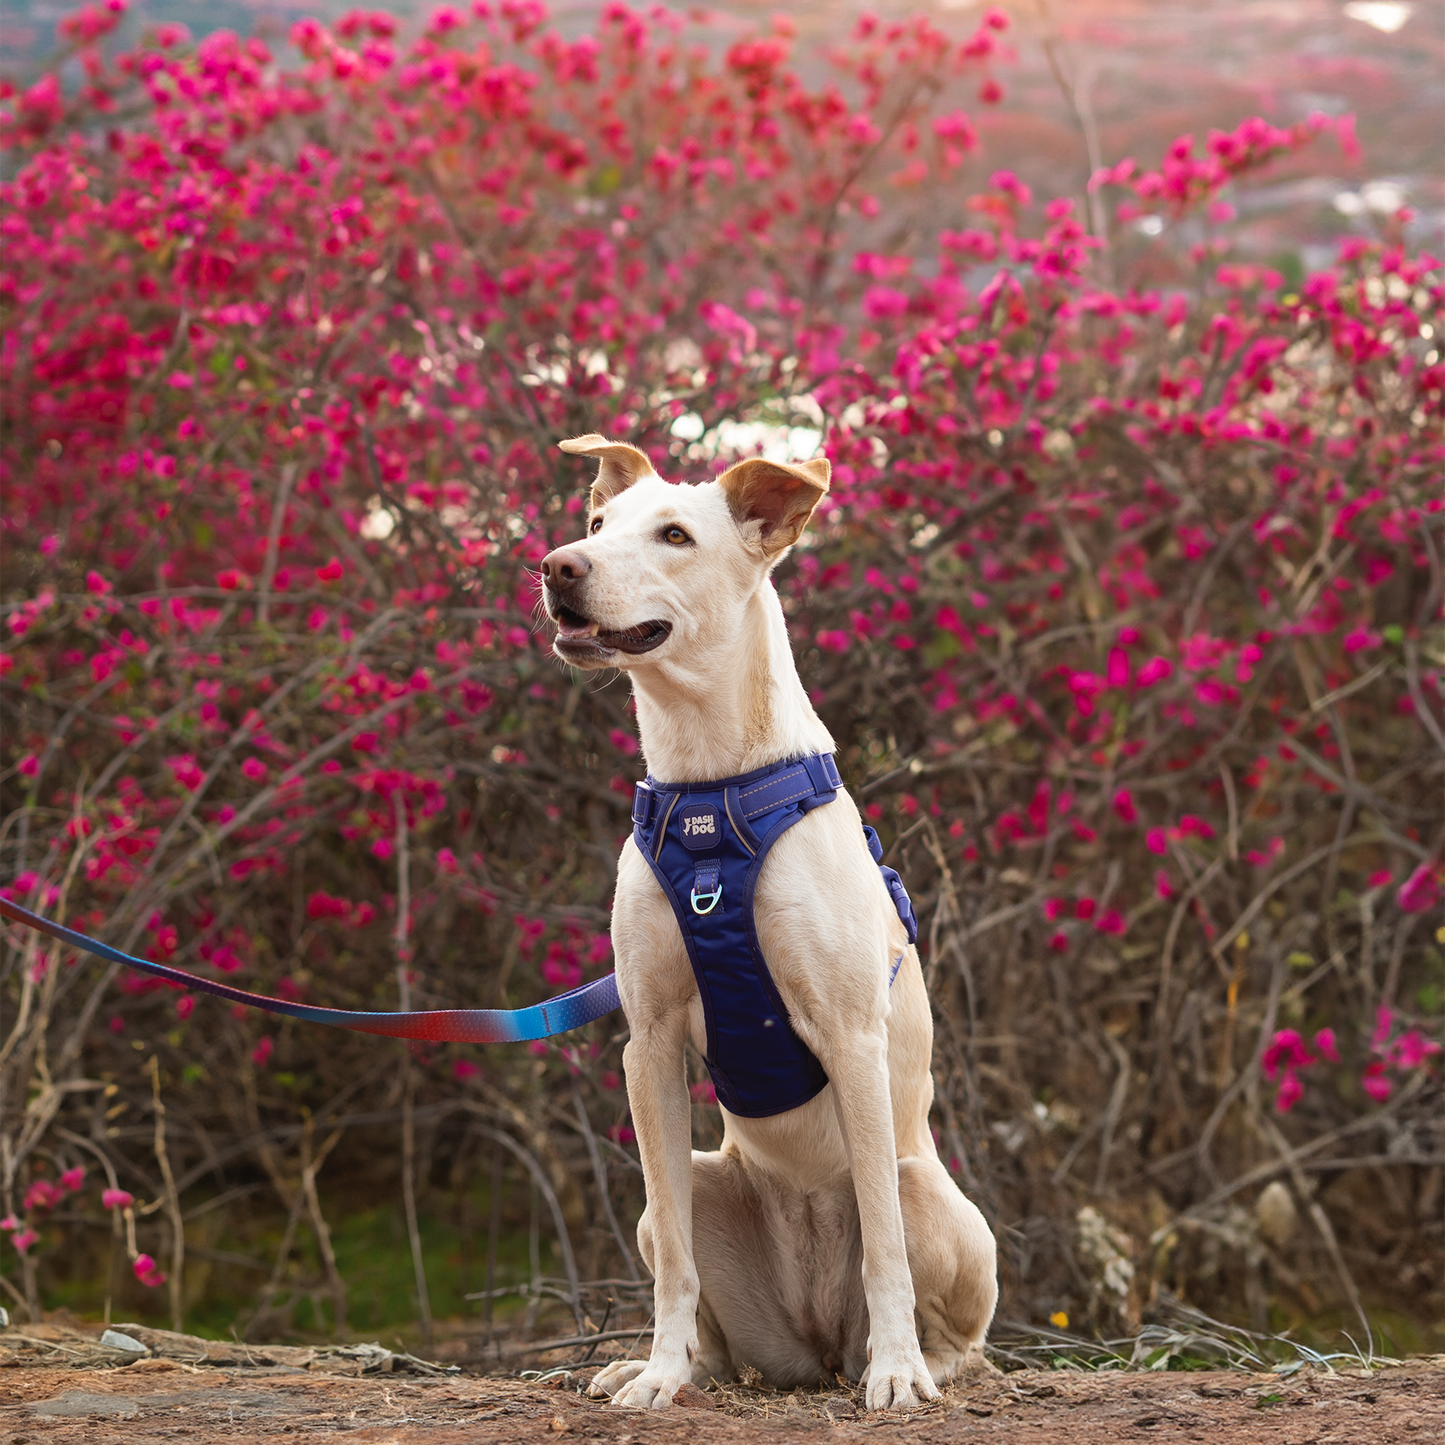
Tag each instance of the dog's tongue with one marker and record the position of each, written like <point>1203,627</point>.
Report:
<point>576,629</point>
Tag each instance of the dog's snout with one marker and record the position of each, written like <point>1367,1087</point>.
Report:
<point>564,568</point>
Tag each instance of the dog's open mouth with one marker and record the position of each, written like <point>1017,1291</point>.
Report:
<point>579,637</point>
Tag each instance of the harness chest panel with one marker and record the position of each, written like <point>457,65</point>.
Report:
<point>705,843</point>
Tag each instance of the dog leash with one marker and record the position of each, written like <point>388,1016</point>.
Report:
<point>438,1026</point>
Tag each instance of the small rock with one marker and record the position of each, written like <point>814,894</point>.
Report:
<point>691,1398</point>
<point>557,1425</point>
<point>839,1407</point>
<point>117,1341</point>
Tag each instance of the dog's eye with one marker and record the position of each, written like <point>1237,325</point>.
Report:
<point>676,536</point>
<point>594,527</point>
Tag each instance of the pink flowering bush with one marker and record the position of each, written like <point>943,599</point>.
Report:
<point>1124,606</point>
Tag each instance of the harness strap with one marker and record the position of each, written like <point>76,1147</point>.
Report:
<point>439,1026</point>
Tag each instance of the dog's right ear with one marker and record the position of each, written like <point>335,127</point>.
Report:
<point>621,465</point>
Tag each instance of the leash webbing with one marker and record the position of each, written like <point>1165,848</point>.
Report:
<point>440,1026</point>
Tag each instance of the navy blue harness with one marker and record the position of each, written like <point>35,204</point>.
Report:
<point>706,843</point>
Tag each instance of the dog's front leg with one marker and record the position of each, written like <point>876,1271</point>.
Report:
<point>662,1116</point>
<point>897,1376</point>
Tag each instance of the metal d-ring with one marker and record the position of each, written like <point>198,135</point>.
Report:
<point>711,899</point>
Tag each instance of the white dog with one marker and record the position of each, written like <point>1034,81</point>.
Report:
<point>826,1238</point>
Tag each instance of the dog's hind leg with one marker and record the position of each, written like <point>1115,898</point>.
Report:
<point>951,1256</point>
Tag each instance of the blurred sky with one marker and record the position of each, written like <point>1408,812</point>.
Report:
<point>1136,72</point>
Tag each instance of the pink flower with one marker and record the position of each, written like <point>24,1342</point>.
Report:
<point>704,1093</point>
<point>1124,806</point>
<point>254,769</point>
<point>1156,841</point>
<point>42,1194</point>
<point>261,1054</point>
<point>1162,886</point>
<point>1411,1050</point>
<point>28,766</point>
<point>147,1272</point>
<point>447,861</point>
<point>464,1069</point>
<point>330,572</point>
<point>96,583</point>
<point>1291,1091</point>
<point>1420,890</point>
<point>1374,1082</point>
<point>73,1179</point>
<point>117,1199</point>
<point>1287,1051</point>
<point>1113,922</point>
<point>1059,942</point>
<point>1325,1043</point>
<point>1054,908</point>
<point>1116,674</point>
<point>624,742</point>
<point>1084,909</point>
<point>1155,670</point>
<point>24,1239</point>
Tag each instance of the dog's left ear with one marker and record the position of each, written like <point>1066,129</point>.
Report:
<point>779,496</point>
<point>620,464</point>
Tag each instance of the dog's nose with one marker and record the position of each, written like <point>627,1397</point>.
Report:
<point>564,568</point>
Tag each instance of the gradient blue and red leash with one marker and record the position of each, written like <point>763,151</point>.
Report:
<point>438,1026</point>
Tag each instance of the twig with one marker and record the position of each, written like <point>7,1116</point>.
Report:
<point>273,541</point>
<point>594,1340</point>
<point>172,1201</point>
<point>599,1170</point>
<point>539,1175</point>
<point>408,1116</point>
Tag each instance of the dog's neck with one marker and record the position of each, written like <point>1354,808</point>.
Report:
<point>740,708</point>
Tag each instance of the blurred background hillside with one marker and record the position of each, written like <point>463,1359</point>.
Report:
<point>1115,76</point>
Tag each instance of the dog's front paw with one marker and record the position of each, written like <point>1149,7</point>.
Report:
<point>606,1383</point>
<point>653,1387</point>
<point>898,1380</point>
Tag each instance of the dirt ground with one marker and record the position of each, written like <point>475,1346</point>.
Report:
<point>159,1399</point>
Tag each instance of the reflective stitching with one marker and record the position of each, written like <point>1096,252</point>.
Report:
<point>807,792</point>
<point>662,826</point>
<point>728,809</point>
<point>770,782</point>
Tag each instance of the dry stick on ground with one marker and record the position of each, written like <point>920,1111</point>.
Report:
<point>408,1096</point>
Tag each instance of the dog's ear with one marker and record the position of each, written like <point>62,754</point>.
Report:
<point>779,496</point>
<point>621,465</point>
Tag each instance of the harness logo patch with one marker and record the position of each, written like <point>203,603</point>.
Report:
<point>700,826</point>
